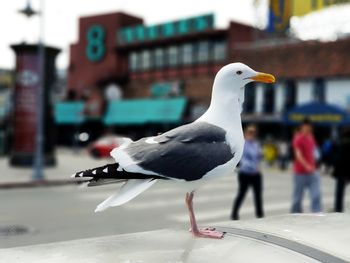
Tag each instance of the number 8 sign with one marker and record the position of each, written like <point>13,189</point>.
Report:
<point>95,48</point>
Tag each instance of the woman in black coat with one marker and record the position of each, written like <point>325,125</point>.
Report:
<point>342,168</point>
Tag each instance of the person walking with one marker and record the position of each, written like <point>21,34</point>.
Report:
<point>249,174</point>
<point>327,154</point>
<point>305,171</point>
<point>341,168</point>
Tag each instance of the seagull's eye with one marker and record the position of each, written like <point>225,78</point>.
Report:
<point>239,72</point>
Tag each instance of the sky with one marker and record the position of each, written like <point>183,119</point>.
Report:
<point>61,19</point>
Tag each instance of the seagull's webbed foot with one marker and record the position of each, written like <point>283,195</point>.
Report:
<point>200,232</point>
<point>208,233</point>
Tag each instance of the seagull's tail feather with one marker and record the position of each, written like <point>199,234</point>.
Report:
<point>110,173</point>
<point>128,191</point>
<point>135,183</point>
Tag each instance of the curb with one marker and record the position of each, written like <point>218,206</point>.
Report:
<point>41,183</point>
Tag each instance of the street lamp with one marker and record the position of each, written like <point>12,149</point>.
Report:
<point>28,11</point>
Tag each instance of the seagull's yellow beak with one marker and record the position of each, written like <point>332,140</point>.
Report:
<point>263,77</point>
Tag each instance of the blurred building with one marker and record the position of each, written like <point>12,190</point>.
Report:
<point>6,84</point>
<point>307,72</point>
<point>179,59</point>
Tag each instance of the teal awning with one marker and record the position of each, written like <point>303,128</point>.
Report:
<point>69,112</point>
<point>142,111</point>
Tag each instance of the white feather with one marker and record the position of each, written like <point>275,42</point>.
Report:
<point>151,140</point>
<point>128,191</point>
<point>126,162</point>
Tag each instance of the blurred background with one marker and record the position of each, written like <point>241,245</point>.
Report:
<point>77,76</point>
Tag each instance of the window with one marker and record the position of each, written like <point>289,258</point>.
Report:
<point>219,51</point>
<point>203,52</point>
<point>168,29</point>
<point>140,33</point>
<point>146,60</point>
<point>173,56</point>
<point>152,32</point>
<point>127,35</point>
<point>183,26</point>
<point>201,23</point>
<point>159,58</point>
<point>187,54</point>
<point>249,98</point>
<point>319,90</point>
<point>290,95</point>
<point>134,61</point>
<point>269,99</point>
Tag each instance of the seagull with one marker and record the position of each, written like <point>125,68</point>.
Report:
<point>191,154</point>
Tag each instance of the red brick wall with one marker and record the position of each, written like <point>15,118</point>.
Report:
<point>197,85</point>
<point>84,73</point>
<point>299,60</point>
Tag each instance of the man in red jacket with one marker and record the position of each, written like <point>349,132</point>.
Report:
<point>304,166</point>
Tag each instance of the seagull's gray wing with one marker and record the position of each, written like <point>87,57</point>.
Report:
<point>187,152</point>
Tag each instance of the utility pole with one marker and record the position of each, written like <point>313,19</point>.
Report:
<point>38,173</point>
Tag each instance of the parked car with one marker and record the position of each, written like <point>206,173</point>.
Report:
<point>290,238</point>
<point>102,147</point>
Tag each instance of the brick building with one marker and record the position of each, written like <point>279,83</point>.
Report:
<point>180,58</point>
<point>183,55</point>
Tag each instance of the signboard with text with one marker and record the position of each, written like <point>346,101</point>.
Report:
<point>318,113</point>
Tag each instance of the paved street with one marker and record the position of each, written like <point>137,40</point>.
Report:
<point>67,212</point>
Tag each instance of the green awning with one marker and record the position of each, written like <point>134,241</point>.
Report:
<point>142,111</point>
<point>69,112</point>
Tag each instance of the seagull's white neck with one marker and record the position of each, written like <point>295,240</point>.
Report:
<point>224,110</point>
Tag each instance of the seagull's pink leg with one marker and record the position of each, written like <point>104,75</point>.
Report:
<point>207,232</point>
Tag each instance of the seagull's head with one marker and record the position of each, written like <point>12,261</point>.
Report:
<point>235,76</point>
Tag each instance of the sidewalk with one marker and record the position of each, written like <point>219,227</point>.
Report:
<point>68,162</point>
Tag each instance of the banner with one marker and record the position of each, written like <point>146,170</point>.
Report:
<point>280,11</point>
<point>303,7</point>
<point>279,15</point>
